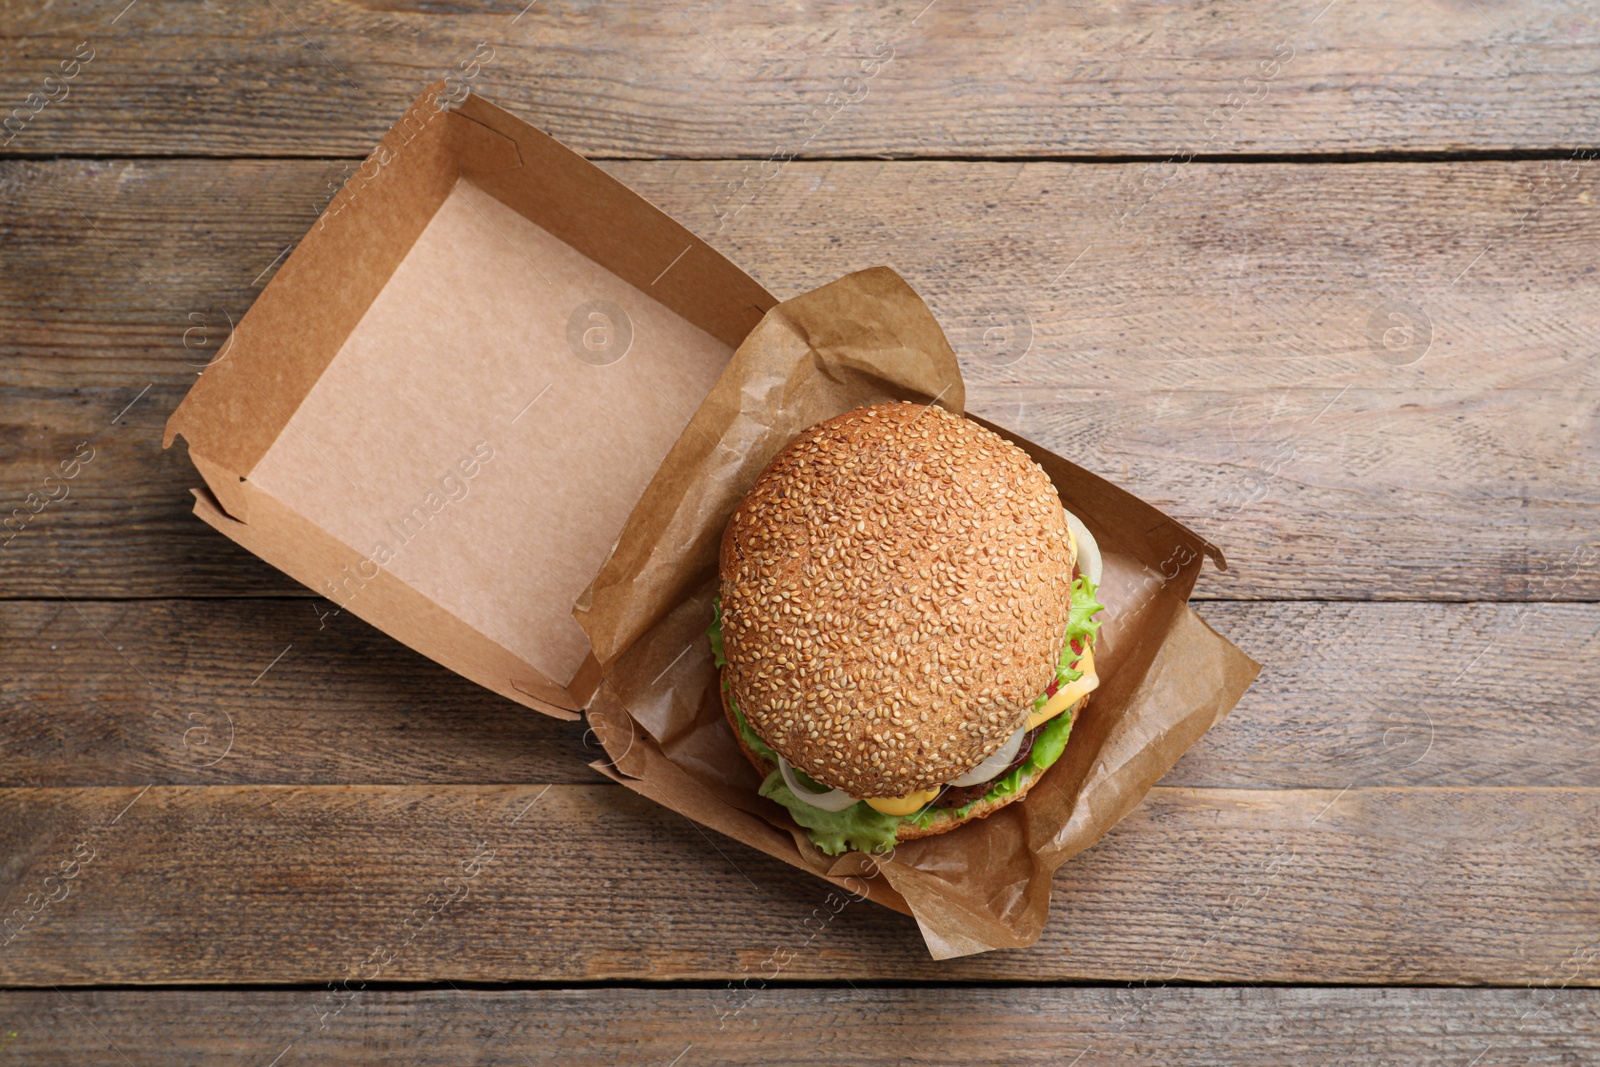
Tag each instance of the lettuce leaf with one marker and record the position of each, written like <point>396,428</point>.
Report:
<point>752,739</point>
<point>858,828</point>
<point>1051,742</point>
<point>1080,620</point>
<point>714,631</point>
<point>1079,624</point>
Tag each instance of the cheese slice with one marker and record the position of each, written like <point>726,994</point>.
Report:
<point>1071,693</point>
<point>909,804</point>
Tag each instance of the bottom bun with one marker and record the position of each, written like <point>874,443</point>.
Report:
<point>908,831</point>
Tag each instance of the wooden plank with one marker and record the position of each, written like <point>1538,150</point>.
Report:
<point>776,1025</point>
<point>1226,277</point>
<point>275,884</point>
<point>1228,364</point>
<point>275,691</point>
<point>963,78</point>
<point>1395,496</point>
<point>123,524</point>
<point>1467,694</point>
<point>219,692</point>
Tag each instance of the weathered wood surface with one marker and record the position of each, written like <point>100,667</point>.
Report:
<point>1221,277</point>
<point>962,77</point>
<point>1221,342</point>
<point>282,691</point>
<point>272,691</point>
<point>184,884</point>
<point>862,1027</point>
<point>1373,384</point>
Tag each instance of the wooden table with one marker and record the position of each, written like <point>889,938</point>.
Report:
<point>1319,279</point>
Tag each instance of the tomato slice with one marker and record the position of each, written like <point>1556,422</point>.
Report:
<point>1055,683</point>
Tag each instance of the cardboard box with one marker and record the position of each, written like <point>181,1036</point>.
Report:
<point>479,305</point>
<point>500,407</point>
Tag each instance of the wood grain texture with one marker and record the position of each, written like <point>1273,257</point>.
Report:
<point>865,1027</point>
<point>273,884</point>
<point>282,692</point>
<point>1375,385</point>
<point>1258,277</point>
<point>702,79</point>
<point>125,521</point>
<point>1228,351</point>
<point>274,691</point>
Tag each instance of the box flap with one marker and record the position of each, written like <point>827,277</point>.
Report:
<point>309,554</point>
<point>245,397</point>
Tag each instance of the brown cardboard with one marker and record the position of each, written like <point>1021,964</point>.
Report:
<point>402,423</point>
<point>1166,677</point>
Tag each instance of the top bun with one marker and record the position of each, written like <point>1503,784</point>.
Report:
<point>895,593</point>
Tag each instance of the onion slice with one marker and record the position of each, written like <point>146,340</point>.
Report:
<point>1089,561</point>
<point>995,763</point>
<point>832,800</point>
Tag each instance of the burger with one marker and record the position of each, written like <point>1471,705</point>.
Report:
<point>904,626</point>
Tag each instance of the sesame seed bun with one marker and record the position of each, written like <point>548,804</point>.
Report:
<point>895,588</point>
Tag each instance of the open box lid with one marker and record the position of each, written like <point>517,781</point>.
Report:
<point>441,411</point>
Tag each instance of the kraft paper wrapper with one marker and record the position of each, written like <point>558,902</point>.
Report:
<point>1166,676</point>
